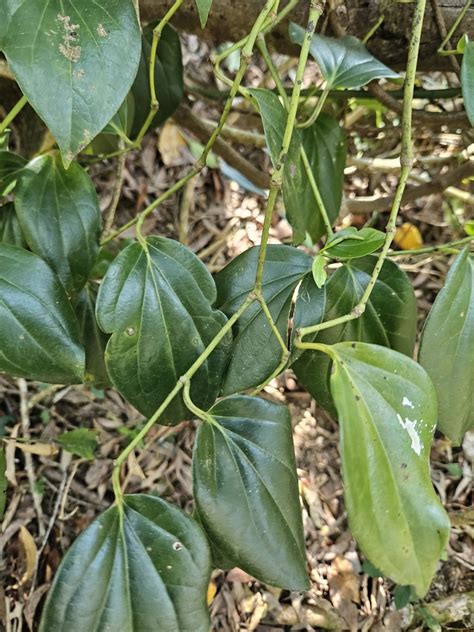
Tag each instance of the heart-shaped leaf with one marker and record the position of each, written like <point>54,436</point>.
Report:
<point>39,335</point>
<point>447,349</point>
<point>246,490</point>
<point>143,567</point>
<point>168,78</point>
<point>387,415</point>
<point>467,80</point>
<point>354,244</point>
<point>11,166</point>
<point>93,338</point>
<point>68,58</point>
<point>389,319</point>
<point>10,231</point>
<point>256,352</point>
<point>344,62</point>
<point>156,301</point>
<point>59,214</point>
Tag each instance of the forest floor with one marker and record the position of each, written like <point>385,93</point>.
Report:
<point>219,219</point>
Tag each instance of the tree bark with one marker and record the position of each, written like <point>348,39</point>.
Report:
<point>232,19</point>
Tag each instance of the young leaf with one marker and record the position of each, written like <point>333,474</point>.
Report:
<point>11,166</point>
<point>76,51</point>
<point>256,352</point>
<point>145,566</point>
<point>168,78</point>
<point>204,8</point>
<point>59,214</point>
<point>156,301</point>
<point>10,231</point>
<point>318,270</point>
<point>39,335</point>
<point>354,245</point>
<point>80,441</point>
<point>387,415</point>
<point>3,482</point>
<point>94,340</point>
<point>447,349</point>
<point>246,490</point>
<point>467,80</point>
<point>344,62</point>
<point>389,319</point>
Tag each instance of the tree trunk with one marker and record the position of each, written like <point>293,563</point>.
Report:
<point>232,19</point>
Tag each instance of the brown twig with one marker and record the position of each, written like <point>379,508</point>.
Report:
<point>443,31</point>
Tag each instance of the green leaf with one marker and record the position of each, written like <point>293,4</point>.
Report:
<point>467,80</point>
<point>10,231</point>
<point>144,567</point>
<point>344,62</point>
<point>387,415</point>
<point>246,490</point>
<point>7,9</point>
<point>75,63</point>
<point>11,166</point>
<point>3,482</point>
<point>447,349</point>
<point>94,340</point>
<point>169,83</point>
<point>81,442</point>
<point>204,7</point>
<point>39,335</point>
<point>256,352</point>
<point>59,214</point>
<point>389,319</point>
<point>352,245</point>
<point>318,270</point>
<point>402,596</point>
<point>157,304</point>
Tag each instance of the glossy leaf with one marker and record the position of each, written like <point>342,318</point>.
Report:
<point>39,335</point>
<point>318,270</point>
<point>168,78</point>
<point>157,304</point>
<point>467,80</point>
<point>204,8</point>
<point>246,490</point>
<point>389,319</point>
<point>447,349</point>
<point>80,441</point>
<point>3,482</point>
<point>145,570</point>
<point>353,245</point>
<point>344,62</point>
<point>387,415</point>
<point>7,9</point>
<point>59,214</point>
<point>256,352</point>
<point>76,51</point>
<point>11,166</point>
<point>93,338</point>
<point>10,231</point>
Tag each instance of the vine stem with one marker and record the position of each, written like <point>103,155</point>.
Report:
<point>447,248</point>
<point>406,162</point>
<point>318,109</point>
<point>17,108</point>
<point>451,31</point>
<point>316,192</point>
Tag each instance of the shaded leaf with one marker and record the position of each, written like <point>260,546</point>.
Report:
<point>246,490</point>
<point>467,80</point>
<point>168,78</point>
<point>10,231</point>
<point>387,415</point>
<point>39,335</point>
<point>7,9</point>
<point>11,166</point>
<point>77,52</point>
<point>256,352</point>
<point>3,482</point>
<point>59,214</point>
<point>389,319</point>
<point>447,349</point>
<point>157,304</point>
<point>80,441</point>
<point>147,568</point>
<point>204,7</point>
<point>93,338</point>
<point>344,62</point>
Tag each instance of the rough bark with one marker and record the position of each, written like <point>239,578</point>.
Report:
<point>232,19</point>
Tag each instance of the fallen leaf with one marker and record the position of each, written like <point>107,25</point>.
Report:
<point>211,592</point>
<point>41,449</point>
<point>31,553</point>
<point>408,237</point>
<point>171,144</point>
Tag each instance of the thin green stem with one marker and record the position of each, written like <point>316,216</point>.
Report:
<point>17,108</point>
<point>200,414</point>
<point>318,109</point>
<point>267,58</point>
<point>374,29</point>
<point>453,28</point>
<point>317,195</point>
<point>406,161</point>
<point>441,248</point>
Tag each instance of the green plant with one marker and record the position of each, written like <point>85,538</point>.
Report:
<point>176,342</point>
